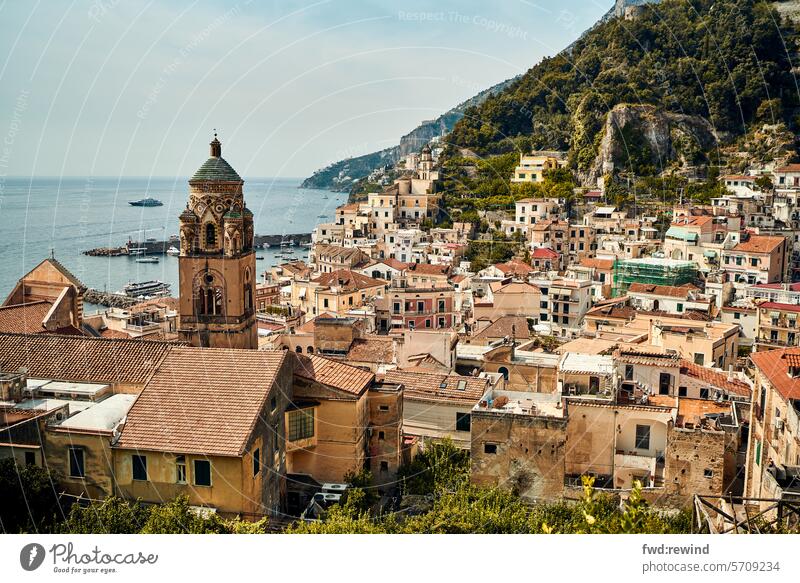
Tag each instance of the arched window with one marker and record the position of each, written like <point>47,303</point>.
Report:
<point>211,235</point>
<point>248,297</point>
<point>503,371</point>
<point>310,350</point>
<point>298,349</point>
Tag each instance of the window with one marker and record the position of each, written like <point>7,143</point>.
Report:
<point>30,458</point>
<point>680,307</point>
<point>383,407</point>
<point>256,462</point>
<point>503,371</point>
<point>381,435</point>
<point>704,393</point>
<point>642,437</point>
<point>325,303</point>
<point>202,473</point>
<point>682,391</point>
<point>273,404</point>
<point>384,466</point>
<point>462,421</point>
<point>490,448</point>
<point>76,462</point>
<point>737,315</point>
<point>211,235</point>
<point>441,305</point>
<point>628,372</point>
<point>420,306</point>
<point>139,464</point>
<point>758,452</point>
<point>707,473</point>
<point>301,424</point>
<point>753,262</point>
<point>396,308</point>
<point>664,383</point>
<point>441,322</point>
<point>180,469</point>
<point>699,358</point>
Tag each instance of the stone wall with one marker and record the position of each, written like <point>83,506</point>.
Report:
<point>521,453</point>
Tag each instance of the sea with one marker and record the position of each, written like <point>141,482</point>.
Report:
<point>67,216</point>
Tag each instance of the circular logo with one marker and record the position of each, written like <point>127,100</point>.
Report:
<point>31,556</point>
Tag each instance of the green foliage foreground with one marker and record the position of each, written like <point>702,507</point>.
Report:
<point>457,507</point>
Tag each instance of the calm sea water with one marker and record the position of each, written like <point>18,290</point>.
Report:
<point>71,215</point>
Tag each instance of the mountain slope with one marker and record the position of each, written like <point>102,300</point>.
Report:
<point>340,175</point>
<point>720,62</point>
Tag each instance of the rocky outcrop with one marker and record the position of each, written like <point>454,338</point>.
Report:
<point>641,133</point>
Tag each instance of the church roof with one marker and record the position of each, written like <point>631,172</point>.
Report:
<point>215,169</point>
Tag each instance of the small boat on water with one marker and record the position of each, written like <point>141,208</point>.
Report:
<point>173,250</point>
<point>149,259</point>
<point>146,288</point>
<point>259,258</point>
<point>146,202</point>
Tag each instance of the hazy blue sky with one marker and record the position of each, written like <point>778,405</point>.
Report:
<point>114,87</point>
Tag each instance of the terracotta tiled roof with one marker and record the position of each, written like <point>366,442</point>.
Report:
<point>654,357</point>
<point>544,253</point>
<point>774,364</point>
<point>662,290</point>
<point>789,286</point>
<point>715,378</point>
<point>378,349</point>
<point>394,263</point>
<point>428,269</point>
<point>789,168</point>
<point>438,387</point>
<point>78,358</point>
<point>117,334</point>
<point>338,252</point>
<point>502,327</point>
<point>353,206</point>
<point>202,401</point>
<point>347,280</point>
<point>515,267</point>
<point>692,221</point>
<point>333,373</point>
<point>759,244</point>
<point>24,318</point>
<point>597,263</point>
<point>310,326</point>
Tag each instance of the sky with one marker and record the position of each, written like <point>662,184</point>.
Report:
<point>123,88</point>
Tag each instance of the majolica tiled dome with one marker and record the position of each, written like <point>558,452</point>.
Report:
<point>216,168</point>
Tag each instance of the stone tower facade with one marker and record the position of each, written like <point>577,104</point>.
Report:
<point>217,262</point>
<point>425,163</point>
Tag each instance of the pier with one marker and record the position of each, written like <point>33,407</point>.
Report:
<point>112,300</point>
<point>160,247</point>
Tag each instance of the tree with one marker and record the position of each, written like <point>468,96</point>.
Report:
<point>110,516</point>
<point>439,466</point>
<point>30,501</point>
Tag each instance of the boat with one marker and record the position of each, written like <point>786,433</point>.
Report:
<point>173,250</point>
<point>137,250</point>
<point>146,288</point>
<point>145,202</point>
<point>150,259</point>
<point>259,257</point>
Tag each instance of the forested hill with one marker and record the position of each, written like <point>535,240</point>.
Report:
<point>726,62</point>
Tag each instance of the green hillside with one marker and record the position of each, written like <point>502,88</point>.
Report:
<point>722,63</point>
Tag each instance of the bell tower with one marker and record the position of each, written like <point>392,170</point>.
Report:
<point>217,262</point>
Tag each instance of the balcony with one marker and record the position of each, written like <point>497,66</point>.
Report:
<point>630,465</point>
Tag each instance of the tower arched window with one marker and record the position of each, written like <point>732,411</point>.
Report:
<point>211,236</point>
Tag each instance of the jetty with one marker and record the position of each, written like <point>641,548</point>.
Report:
<point>112,300</point>
<point>154,247</point>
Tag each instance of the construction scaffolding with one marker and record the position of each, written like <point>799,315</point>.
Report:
<point>652,270</point>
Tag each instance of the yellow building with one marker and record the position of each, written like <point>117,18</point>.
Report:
<point>532,166</point>
<point>209,425</point>
<point>337,292</point>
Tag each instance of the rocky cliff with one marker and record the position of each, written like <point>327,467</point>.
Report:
<point>640,135</point>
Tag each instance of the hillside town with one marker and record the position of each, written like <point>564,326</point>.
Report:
<point>610,345</point>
